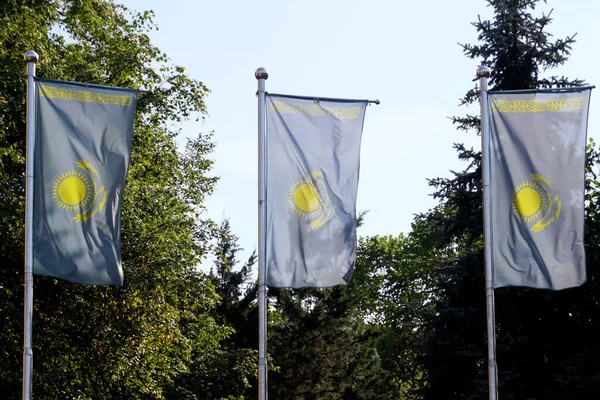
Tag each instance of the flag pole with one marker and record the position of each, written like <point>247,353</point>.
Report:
<point>483,74</point>
<point>262,75</point>
<point>31,57</point>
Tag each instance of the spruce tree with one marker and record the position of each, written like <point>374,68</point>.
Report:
<point>321,347</point>
<point>545,344</point>
<point>234,364</point>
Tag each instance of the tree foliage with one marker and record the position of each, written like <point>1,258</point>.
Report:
<point>231,371</point>
<point>109,342</point>
<point>411,322</point>
<point>542,336</point>
<point>321,347</point>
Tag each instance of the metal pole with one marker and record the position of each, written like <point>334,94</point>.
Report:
<point>32,58</point>
<point>483,73</point>
<point>262,75</point>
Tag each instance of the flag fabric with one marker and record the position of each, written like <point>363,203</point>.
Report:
<point>537,165</point>
<point>313,153</point>
<point>81,158</point>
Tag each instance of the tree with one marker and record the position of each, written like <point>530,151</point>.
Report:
<point>543,338</point>
<point>238,309</point>
<point>127,342</point>
<point>392,287</point>
<point>321,347</point>
<point>229,372</point>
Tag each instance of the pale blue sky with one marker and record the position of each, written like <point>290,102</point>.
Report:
<point>403,53</point>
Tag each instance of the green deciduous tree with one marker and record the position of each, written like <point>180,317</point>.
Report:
<point>393,289</point>
<point>128,342</point>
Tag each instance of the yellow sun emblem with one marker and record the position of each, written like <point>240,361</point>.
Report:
<point>72,190</point>
<point>77,190</point>
<point>533,201</point>
<point>309,197</point>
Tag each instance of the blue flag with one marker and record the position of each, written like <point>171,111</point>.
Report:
<point>81,157</point>
<point>537,187</point>
<point>313,153</point>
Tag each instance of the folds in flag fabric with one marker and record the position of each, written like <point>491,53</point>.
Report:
<point>81,156</point>
<point>313,152</point>
<point>537,164</point>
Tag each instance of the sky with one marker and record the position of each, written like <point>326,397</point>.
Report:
<point>406,54</point>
